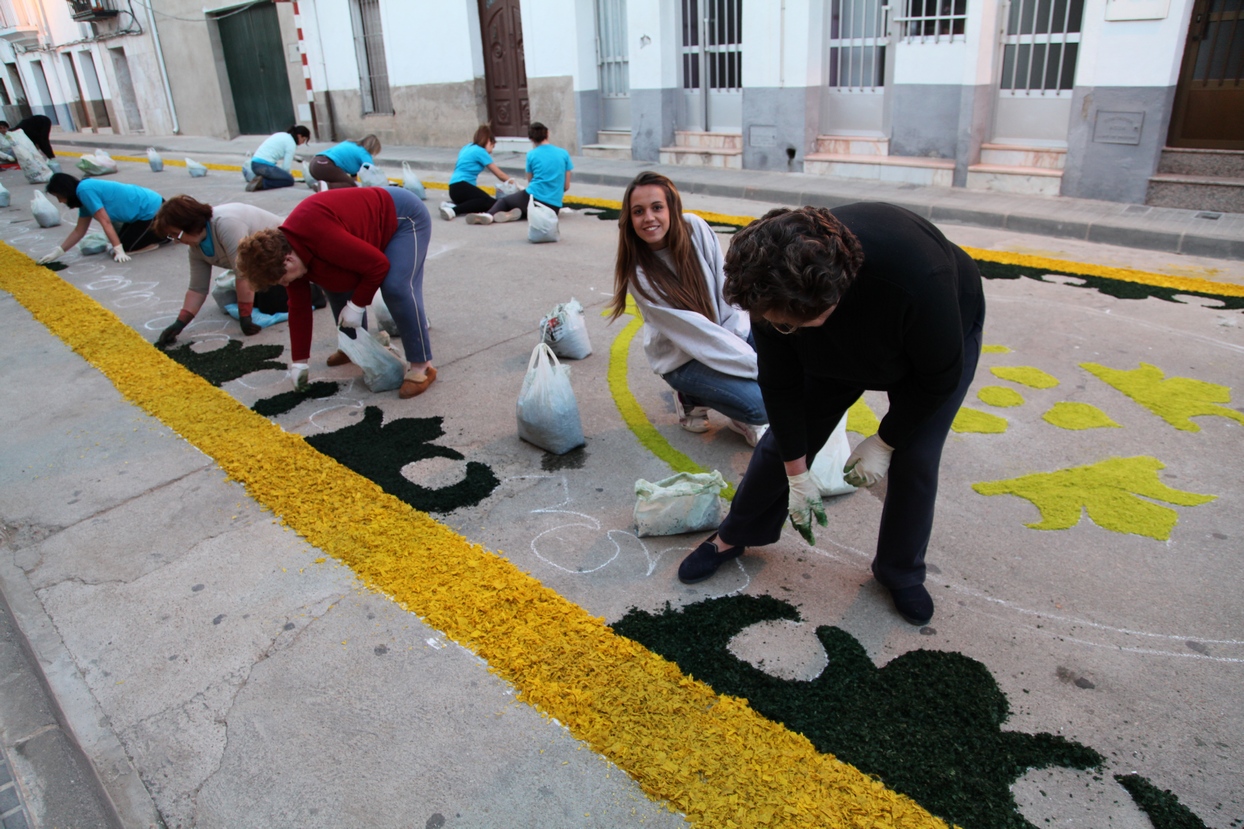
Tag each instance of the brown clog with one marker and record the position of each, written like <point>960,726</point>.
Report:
<point>337,358</point>
<point>414,388</point>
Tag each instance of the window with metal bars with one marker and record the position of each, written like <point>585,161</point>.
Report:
<point>369,50</point>
<point>1041,46</point>
<point>856,44</point>
<point>712,32</point>
<point>611,48</point>
<point>934,20</point>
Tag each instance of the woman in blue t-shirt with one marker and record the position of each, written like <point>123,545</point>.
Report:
<point>548,171</point>
<point>124,213</point>
<point>337,166</point>
<point>465,197</point>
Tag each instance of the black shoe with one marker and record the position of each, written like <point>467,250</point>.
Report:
<point>913,603</point>
<point>704,561</point>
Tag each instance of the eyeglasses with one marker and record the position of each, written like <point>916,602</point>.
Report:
<point>783,327</point>
<point>176,238</point>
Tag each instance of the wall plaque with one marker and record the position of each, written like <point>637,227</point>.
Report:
<point>762,136</point>
<point>1117,127</point>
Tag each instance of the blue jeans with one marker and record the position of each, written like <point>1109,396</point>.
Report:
<point>272,175</point>
<point>738,398</point>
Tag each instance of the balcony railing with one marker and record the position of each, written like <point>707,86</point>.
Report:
<point>92,9</point>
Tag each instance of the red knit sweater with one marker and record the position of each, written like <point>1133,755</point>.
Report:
<point>340,235</point>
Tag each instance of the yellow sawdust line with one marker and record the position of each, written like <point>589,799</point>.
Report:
<point>710,756</point>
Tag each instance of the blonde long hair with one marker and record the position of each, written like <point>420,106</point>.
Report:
<point>684,287</point>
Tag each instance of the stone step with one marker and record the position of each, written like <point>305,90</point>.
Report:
<point>719,157</point>
<point>936,172</point>
<point>1014,155</point>
<point>1014,178</point>
<point>613,138</point>
<point>616,152</point>
<point>852,145</point>
<point>708,140</point>
<point>1225,195</point>
<point>1216,163</point>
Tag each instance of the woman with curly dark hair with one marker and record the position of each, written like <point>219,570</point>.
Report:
<point>864,296</point>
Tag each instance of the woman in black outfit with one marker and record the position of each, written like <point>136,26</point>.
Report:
<point>37,129</point>
<point>866,296</point>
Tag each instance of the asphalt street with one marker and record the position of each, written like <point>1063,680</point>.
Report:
<point>220,670</point>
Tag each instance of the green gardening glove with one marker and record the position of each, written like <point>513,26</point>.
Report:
<point>805,504</point>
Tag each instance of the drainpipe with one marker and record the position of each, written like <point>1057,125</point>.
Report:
<point>168,90</point>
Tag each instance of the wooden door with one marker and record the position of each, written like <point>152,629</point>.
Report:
<point>1209,99</point>
<point>504,69</point>
<point>255,60</point>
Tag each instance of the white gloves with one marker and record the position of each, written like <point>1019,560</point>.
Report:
<point>804,504</point>
<point>298,373</point>
<point>868,463</point>
<point>350,317</point>
<point>120,256</point>
<point>57,253</point>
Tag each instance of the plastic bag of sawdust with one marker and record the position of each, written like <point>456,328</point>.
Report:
<point>224,290</point>
<point>827,467</point>
<point>98,163</point>
<point>93,243</point>
<point>541,223</point>
<point>382,369</point>
<point>565,331</point>
<point>33,163</point>
<point>154,159</point>
<point>683,503</point>
<point>548,414</point>
<point>372,176</point>
<point>44,211</point>
<point>411,182</point>
<point>382,315</point>
<point>508,187</point>
<point>195,169</point>
<point>5,196</point>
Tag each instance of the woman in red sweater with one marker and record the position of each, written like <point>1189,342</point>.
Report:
<point>351,242</point>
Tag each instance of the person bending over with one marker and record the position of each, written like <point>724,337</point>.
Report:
<point>548,171</point>
<point>465,196</point>
<point>337,166</point>
<point>272,161</point>
<point>124,212</point>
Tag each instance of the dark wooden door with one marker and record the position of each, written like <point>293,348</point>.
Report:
<point>255,61</point>
<point>504,69</point>
<point>1209,100</point>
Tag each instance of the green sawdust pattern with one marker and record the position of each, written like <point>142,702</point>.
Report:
<point>1034,378</point>
<point>862,420</point>
<point>928,723</point>
<point>378,451</point>
<point>1004,397</point>
<point>279,404</point>
<point>229,362</point>
<point>1163,808</point>
<point>995,349</point>
<point>1176,400</point>
<point>978,422</point>
<point>1117,288</point>
<point>1111,492</point>
<point>1078,416</point>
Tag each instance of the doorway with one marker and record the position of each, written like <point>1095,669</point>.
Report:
<point>1209,98</point>
<point>853,99</point>
<point>1039,51</point>
<point>712,66</point>
<point>505,71</point>
<point>255,62</point>
<point>612,65</point>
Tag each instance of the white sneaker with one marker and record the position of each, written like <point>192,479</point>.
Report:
<point>447,212</point>
<point>479,218</point>
<point>254,184</point>
<point>508,215</point>
<point>751,434</point>
<point>323,186</point>
<point>692,420</point>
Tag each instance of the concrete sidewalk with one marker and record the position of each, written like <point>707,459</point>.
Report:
<point>1191,232</point>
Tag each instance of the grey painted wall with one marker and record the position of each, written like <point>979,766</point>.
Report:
<point>653,114</point>
<point>775,122</point>
<point>924,120</point>
<point>975,118</point>
<point>587,104</point>
<point>1097,169</point>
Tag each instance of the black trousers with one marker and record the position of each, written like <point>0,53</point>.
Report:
<point>759,508</point>
<point>136,235</point>
<point>468,198</point>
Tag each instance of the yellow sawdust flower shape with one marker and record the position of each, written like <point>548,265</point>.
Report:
<point>984,423</point>
<point>1004,397</point>
<point>995,349</point>
<point>862,420</point>
<point>1025,375</point>
<point>1176,399</point>
<point>1078,416</point>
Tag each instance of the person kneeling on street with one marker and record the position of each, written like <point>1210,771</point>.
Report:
<point>351,242</point>
<point>124,212</point>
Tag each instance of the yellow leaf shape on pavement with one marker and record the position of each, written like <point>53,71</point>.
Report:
<point>1110,490</point>
<point>971,420</point>
<point>995,349</point>
<point>862,420</point>
<point>1175,399</point>
<point>1026,375</point>
<point>1078,416</point>
<point>1001,396</point>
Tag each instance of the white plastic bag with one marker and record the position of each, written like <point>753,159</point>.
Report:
<point>309,179</point>
<point>548,414</point>
<point>54,165</point>
<point>827,468</point>
<point>382,369</point>
<point>248,172</point>
<point>411,181</point>
<point>45,212</point>
<point>33,163</point>
<point>98,163</point>
<point>684,503</point>
<point>508,188</point>
<point>153,158</point>
<point>93,243</point>
<point>372,176</point>
<point>383,317</point>
<point>541,223</point>
<point>565,330</point>
<point>195,169</point>
<point>224,290</point>
<point>5,196</point>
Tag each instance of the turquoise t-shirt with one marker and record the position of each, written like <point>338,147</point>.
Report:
<point>547,167</point>
<point>349,156</point>
<point>472,159</point>
<point>124,202</point>
<point>207,245</point>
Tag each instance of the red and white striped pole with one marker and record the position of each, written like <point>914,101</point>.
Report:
<point>306,69</point>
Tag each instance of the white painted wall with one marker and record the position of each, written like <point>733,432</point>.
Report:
<point>654,43</point>
<point>327,30</point>
<point>425,43</point>
<point>550,39</point>
<point>1133,52</point>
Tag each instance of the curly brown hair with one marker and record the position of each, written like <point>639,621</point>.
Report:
<point>794,263</point>
<point>261,257</point>
<point>181,213</point>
